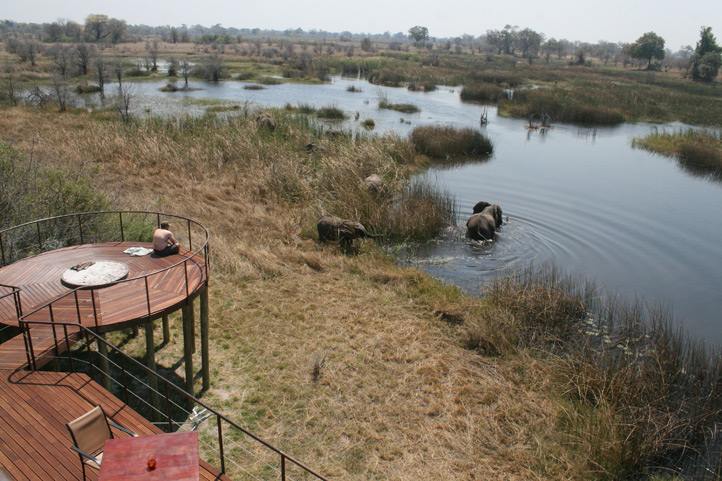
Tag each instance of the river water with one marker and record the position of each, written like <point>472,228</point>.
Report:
<point>581,198</point>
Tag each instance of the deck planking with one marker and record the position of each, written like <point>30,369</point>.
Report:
<point>116,306</point>
<point>34,407</point>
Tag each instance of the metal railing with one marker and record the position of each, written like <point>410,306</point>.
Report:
<point>172,405</point>
<point>77,221</point>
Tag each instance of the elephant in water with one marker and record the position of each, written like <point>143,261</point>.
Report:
<point>484,222</point>
<point>332,228</point>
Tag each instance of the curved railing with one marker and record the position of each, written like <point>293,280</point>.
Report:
<point>173,405</point>
<point>40,243</point>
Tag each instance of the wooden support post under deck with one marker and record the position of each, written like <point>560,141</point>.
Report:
<point>166,329</point>
<point>135,331</point>
<point>150,362</point>
<point>192,313</point>
<point>204,340</point>
<point>104,365</point>
<point>188,347</point>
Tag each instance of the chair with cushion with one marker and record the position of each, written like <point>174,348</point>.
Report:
<point>89,433</point>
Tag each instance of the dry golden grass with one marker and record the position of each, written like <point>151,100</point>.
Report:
<point>399,396</point>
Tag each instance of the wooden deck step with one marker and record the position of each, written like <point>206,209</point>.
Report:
<point>12,351</point>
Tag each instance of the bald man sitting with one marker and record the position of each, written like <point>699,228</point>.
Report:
<point>164,244</point>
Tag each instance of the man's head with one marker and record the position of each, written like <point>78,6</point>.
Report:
<point>164,225</point>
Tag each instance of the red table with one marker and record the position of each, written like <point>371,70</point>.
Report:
<point>176,456</point>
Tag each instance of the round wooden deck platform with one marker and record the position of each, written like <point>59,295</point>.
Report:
<point>153,286</point>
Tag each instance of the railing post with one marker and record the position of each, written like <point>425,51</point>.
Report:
<point>90,356</point>
<point>122,233</point>
<point>77,306</point>
<point>205,368</point>
<point>185,271</point>
<point>220,445</point>
<point>80,229</point>
<point>67,348</point>
<point>190,240</point>
<point>95,312</point>
<point>168,408</point>
<point>40,239</point>
<point>283,467</point>
<point>125,379</point>
<point>188,347</point>
<point>2,248</point>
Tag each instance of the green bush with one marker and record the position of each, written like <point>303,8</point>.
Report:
<point>331,113</point>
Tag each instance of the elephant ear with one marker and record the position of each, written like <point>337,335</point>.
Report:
<point>497,215</point>
<point>480,206</point>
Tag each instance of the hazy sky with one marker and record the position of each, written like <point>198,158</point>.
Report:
<point>613,20</point>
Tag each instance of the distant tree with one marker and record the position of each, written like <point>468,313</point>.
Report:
<point>213,68</point>
<point>549,47</point>
<point>27,50</point>
<point>100,67</point>
<point>419,34</point>
<point>53,32</point>
<point>366,45</point>
<point>185,36</point>
<point>153,52</point>
<point>648,47</point>
<point>117,29</point>
<point>96,27</point>
<point>494,41</point>
<point>62,56</point>
<point>509,38</point>
<point>707,57</point>
<point>73,30</point>
<point>174,35</point>
<point>185,68</point>
<point>9,84</point>
<point>83,55</point>
<point>529,43</point>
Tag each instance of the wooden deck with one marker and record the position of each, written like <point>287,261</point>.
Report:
<point>34,407</point>
<point>108,308</point>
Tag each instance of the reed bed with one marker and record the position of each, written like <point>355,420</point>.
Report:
<point>481,92</point>
<point>699,151</point>
<point>640,397</point>
<point>449,142</point>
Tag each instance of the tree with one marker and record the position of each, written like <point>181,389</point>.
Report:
<point>648,47</point>
<point>366,44</point>
<point>174,35</point>
<point>96,27</point>
<point>185,67</point>
<point>62,58</point>
<point>83,54</point>
<point>117,29</point>
<point>419,34</point>
<point>54,32</point>
<point>153,51</point>
<point>529,43</point>
<point>707,57</point>
<point>100,71</point>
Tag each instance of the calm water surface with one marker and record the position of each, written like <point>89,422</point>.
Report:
<point>580,198</point>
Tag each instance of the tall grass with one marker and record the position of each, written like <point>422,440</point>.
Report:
<point>448,142</point>
<point>639,395</point>
<point>481,92</point>
<point>331,113</point>
<point>697,151</point>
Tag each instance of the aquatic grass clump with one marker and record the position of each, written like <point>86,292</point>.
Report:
<point>404,108</point>
<point>481,92</point>
<point>639,396</point>
<point>331,113</point>
<point>697,151</point>
<point>441,142</point>
<point>562,106</point>
<point>353,89</point>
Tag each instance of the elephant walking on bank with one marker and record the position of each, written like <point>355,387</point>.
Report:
<point>484,222</point>
<point>332,228</point>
